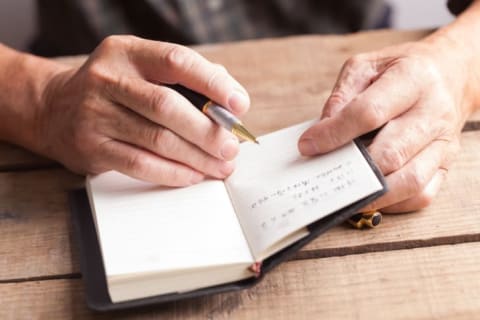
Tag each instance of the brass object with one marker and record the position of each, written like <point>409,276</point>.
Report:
<point>206,106</point>
<point>369,219</point>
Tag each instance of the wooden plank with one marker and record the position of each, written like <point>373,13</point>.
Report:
<point>424,283</point>
<point>36,239</point>
<point>16,158</point>
<point>35,231</point>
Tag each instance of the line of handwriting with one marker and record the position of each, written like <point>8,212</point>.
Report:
<point>332,180</point>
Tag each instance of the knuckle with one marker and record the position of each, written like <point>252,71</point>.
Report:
<point>98,155</point>
<point>92,165</point>
<point>216,78</point>
<point>136,164</point>
<point>372,115</point>
<point>96,72</point>
<point>114,85</point>
<point>351,62</point>
<point>415,180</point>
<point>165,140</point>
<point>393,158</point>
<point>159,103</point>
<point>429,68</point>
<point>336,98</point>
<point>221,68</point>
<point>110,42</point>
<point>354,61</point>
<point>179,58</point>
<point>423,71</point>
<point>100,78</point>
<point>99,66</point>
<point>115,42</point>
<point>176,175</point>
<point>157,136</point>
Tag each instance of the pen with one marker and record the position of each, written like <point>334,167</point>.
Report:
<point>215,112</point>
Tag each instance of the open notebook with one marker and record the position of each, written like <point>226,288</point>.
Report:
<point>171,243</point>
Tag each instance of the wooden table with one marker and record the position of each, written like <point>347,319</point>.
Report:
<point>419,265</point>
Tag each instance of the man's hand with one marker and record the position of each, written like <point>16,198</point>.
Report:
<point>111,113</point>
<point>419,95</point>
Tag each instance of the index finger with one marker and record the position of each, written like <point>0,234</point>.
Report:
<point>171,63</point>
<point>383,100</point>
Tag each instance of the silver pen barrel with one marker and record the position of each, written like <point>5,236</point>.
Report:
<point>227,120</point>
<point>220,115</point>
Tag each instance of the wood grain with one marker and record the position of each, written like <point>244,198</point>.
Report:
<point>35,226</point>
<point>36,234</point>
<point>423,283</point>
<point>16,158</point>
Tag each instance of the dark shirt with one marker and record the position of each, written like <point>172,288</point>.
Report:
<point>77,26</point>
<point>457,6</point>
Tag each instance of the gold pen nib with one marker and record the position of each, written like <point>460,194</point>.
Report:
<point>240,131</point>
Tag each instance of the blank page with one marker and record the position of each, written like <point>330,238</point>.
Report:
<point>147,229</point>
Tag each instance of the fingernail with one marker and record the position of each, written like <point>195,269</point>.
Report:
<point>226,168</point>
<point>229,149</point>
<point>308,147</point>
<point>238,102</point>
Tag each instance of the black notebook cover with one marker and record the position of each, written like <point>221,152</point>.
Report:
<point>93,272</point>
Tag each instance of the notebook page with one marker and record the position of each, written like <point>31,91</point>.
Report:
<point>144,228</point>
<point>276,191</point>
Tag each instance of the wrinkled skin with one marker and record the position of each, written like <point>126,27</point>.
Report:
<point>110,114</point>
<point>419,98</point>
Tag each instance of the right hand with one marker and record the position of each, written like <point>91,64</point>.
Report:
<point>112,114</point>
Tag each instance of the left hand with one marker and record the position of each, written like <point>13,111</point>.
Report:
<point>418,94</point>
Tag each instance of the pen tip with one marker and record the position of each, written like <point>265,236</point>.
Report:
<point>239,130</point>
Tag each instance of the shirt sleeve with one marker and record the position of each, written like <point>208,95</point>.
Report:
<point>458,6</point>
